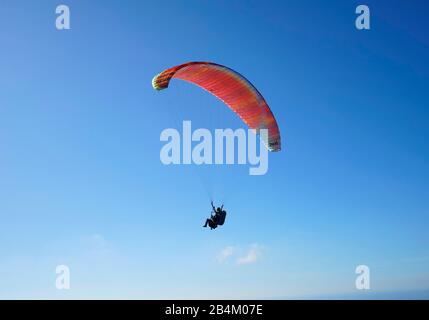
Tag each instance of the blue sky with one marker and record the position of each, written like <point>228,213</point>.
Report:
<point>81,182</point>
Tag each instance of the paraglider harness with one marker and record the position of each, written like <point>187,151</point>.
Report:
<point>217,218</point>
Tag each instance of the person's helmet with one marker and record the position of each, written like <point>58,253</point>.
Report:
<point>219,209</point>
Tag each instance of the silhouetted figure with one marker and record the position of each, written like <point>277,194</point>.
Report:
<point>217,217</point>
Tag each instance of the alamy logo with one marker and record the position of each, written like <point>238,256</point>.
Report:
<point>362,280</point>
<point>199,147</point>
<point>63,20</point>
<point>363,20</point>
<point>62,282</point>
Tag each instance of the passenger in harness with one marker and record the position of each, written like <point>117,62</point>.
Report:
<point>217,218</point>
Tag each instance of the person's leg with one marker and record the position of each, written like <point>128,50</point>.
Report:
<point>207,222</point>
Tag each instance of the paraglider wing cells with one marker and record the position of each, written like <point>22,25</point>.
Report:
<point>233,89</point>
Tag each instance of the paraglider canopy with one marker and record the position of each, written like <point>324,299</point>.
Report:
<point>233,89</point>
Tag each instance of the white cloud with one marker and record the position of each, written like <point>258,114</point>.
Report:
<point>98,244</point>
<point>225,253</point>
<point>253,255</point>
<point>98,240</point>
